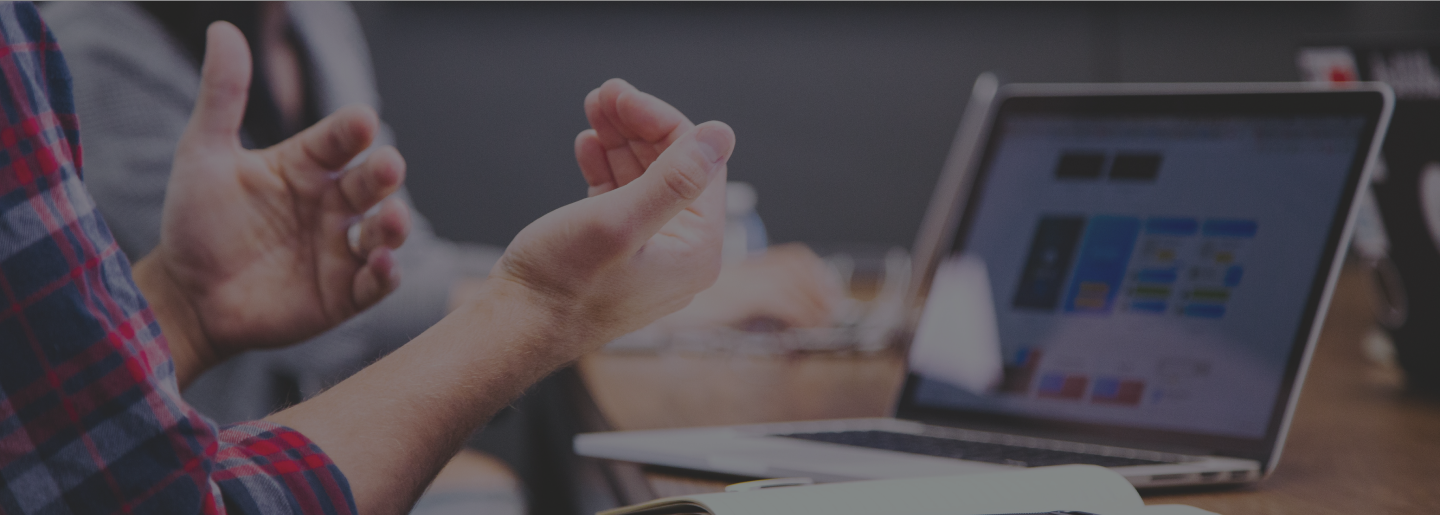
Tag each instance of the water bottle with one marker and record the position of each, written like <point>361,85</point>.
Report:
<point>744,232</point>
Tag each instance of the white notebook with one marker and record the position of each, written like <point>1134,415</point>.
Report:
<point>1066,488</point>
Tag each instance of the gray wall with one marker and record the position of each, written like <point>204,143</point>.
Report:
<point>844,112</point>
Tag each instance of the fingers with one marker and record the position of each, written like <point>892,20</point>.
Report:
<point>224,86</point>
<point>647,118</point>
<point>377,278</point>
<point>622,114</point>
<point>613,144</point>
<point>596,113</point>
<point>380,175</point>
<point>633,128</point>
<point>621,163</point>
<point>388,227</point>
<point>328,145</point>
<point>676,180</point>
<point>590,154</point>
<point>380,234</point>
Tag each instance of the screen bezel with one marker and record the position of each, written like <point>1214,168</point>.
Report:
<point>1370,103</point>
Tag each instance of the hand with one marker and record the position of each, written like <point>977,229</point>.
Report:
<point>630,129</point>
<point>253,249</point>
<point>787,286</point>
<point>648,237</point>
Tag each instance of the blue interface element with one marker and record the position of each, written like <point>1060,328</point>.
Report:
<point>1233,275</point>
<point>1104,257</point>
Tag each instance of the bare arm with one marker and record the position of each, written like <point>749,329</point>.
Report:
<point>574,279</point>
<point>392,426</point>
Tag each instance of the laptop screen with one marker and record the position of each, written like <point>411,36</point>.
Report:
<point>1147,264</point>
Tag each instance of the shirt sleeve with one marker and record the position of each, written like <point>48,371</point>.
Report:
<point>267,468</point>
<point>91,418</point>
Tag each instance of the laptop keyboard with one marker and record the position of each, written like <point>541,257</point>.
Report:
<point>968,450</point>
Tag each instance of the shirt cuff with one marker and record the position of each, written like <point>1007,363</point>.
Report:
<point>264,468</point>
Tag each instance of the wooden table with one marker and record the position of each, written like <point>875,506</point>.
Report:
<point>1358,444</point>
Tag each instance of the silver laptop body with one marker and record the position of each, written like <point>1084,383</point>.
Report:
<point>1153,264</point>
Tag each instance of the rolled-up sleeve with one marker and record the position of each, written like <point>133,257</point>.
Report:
<point>266,468</point>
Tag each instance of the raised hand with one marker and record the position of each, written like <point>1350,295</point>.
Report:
<point>254,249</point>
<point>649,236</point>
<point>629,130</point>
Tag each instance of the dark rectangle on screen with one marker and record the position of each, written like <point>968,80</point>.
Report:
<point>1080,165</point>
<point>1230,228</point>
<point>1135,167</point>
<point>1051,251</point>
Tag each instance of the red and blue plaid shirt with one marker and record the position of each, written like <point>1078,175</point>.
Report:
<point>91,419</point>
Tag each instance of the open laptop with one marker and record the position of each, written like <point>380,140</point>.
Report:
<point>1132,276</point>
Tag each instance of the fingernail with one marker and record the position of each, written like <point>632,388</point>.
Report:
<point>712,144</point>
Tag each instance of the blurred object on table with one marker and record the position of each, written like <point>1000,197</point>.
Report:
<point>745,234</point>
<point>672,389</point>
<point>958,340</point>
<point>866,319</point>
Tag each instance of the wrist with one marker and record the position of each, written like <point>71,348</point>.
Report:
<point>179,321</point>
<point>554,330</point>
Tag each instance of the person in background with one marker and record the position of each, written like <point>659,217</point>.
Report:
<point>136,75</point>
<point>254,252</point>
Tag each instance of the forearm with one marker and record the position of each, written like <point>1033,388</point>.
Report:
<point>391,427</point>
<point>177,319</point>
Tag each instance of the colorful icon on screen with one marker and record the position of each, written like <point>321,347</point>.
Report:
<point>1110,390</point>
<point>1057,385</point>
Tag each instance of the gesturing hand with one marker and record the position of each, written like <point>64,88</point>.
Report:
<point>253,249</point>
<point>648,237</point>
<point>629,130</point>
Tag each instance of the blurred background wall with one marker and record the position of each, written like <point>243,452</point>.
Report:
<point>844,112</point>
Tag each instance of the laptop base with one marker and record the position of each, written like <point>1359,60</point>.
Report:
<point>761,451</point>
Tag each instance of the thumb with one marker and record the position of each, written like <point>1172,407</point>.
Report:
<point>224,85</point>
<point>676,179</point>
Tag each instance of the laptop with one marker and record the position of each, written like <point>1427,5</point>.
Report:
<point>1132,276</point>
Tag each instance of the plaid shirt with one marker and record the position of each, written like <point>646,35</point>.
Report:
<point>91,419</point>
